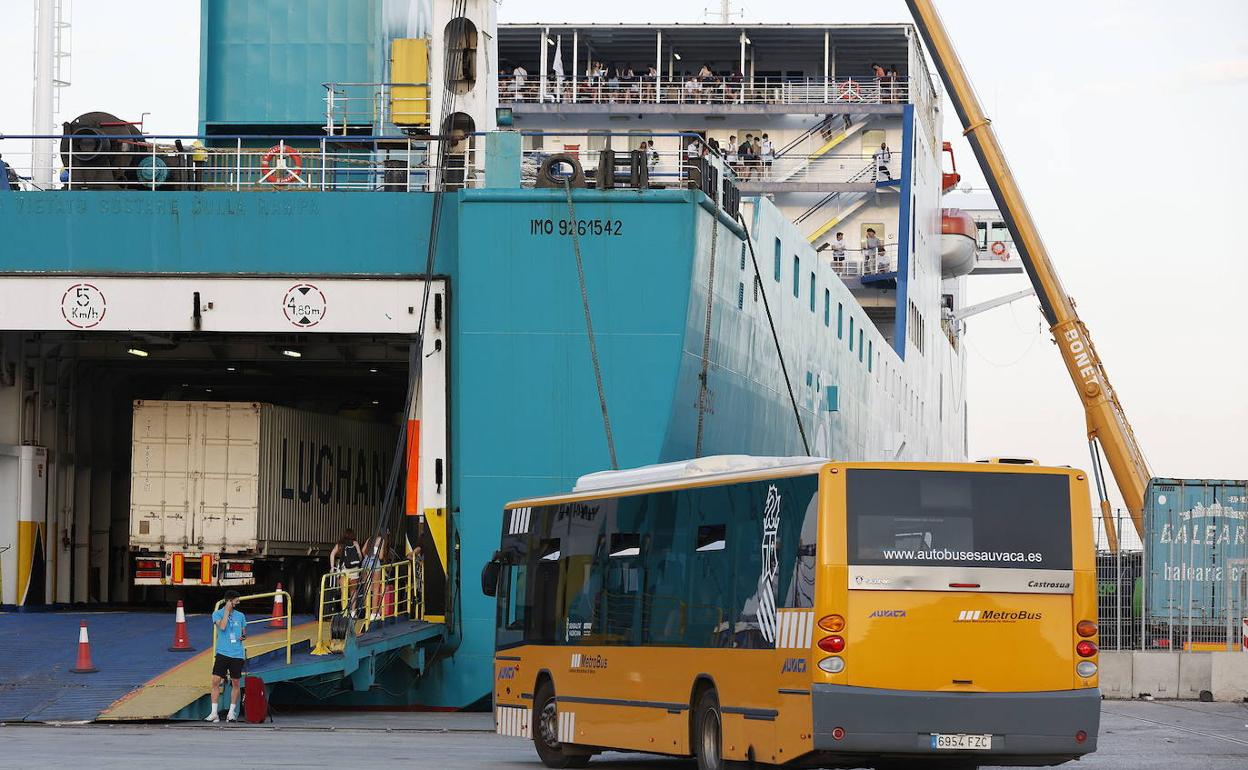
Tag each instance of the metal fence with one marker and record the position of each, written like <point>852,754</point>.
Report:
<point>715,90</point>
<point>1159,600</point>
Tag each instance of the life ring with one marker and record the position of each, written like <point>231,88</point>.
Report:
<point>998,248</point>
<point>281,165</point>
<point>850,92</point>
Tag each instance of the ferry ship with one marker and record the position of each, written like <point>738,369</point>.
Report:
<point>377,189</point>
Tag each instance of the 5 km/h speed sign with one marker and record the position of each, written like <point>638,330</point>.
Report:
<point>304,305</point>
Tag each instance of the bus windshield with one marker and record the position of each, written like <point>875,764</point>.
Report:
<point>956,519</point>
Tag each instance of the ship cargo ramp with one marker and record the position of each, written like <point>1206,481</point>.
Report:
<point>139,678</point>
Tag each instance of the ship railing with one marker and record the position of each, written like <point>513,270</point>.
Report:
<point>714,90</point>
<point>376,106</point>
<point>860,261</point>
<point>289,164</point>
<point>845,169</point>
<point>352,601</point>
<point>269,163</point>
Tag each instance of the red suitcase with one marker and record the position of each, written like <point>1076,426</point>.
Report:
<point>255,700</point>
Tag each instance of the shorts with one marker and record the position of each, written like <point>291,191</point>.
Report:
<point>228,668</point>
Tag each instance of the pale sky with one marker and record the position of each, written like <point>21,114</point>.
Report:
<point>1123,121</point>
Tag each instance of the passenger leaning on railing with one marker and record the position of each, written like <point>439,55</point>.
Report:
<point>838,248</point>
<point>346,555</point>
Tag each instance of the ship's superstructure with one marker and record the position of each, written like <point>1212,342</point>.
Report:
<point>346,191</point>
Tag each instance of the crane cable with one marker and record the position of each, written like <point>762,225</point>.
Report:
<point>589,326</point>
<point>797,415</point>
<point>703,390</point>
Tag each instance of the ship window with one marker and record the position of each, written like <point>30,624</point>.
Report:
<point>743,256</point>
<point>827,307</point>
<point>531,142</point>
<point>797,276</point>
<point>598,141</point>
<point>981,235</point>
<point>998,232</point>
<point>851,332</point>
<point>812,292</point>
<point>777,260</point>
<point>636,137</point>
<point>758,284</point>
<point>870,355</point>
<point>740,296</point>
<point>840,320</point>
<point>860,346</point>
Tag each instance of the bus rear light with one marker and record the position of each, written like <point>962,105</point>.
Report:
<point>147,564</point>
<point>832,643</point>
<point>1081,736</point>
<point>1085,649</point>
<point>1085,628</point>
<point>833,623</point>
<point>838,733</point>
<point>1086,669</point>
<point>833,665</point>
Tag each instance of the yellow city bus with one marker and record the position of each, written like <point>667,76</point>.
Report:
<point>804,612</point>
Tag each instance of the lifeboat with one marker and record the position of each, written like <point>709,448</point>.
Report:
<point>957,243</point>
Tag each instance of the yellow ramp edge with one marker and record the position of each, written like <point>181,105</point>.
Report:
<point>188,681</point>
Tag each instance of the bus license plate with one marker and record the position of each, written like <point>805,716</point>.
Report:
<point>961,741</point>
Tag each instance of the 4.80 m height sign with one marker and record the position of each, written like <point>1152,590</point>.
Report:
<point>304,305</point>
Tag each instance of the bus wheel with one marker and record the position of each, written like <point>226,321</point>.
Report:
<point>546,731</point>
<point>708,732</point>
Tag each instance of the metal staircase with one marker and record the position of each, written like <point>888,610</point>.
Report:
<point>783,171</point>
<point>847,203</point>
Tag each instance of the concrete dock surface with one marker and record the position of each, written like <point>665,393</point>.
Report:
<point>1134,734</point>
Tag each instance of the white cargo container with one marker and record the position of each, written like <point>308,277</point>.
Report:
<point>222,490</point>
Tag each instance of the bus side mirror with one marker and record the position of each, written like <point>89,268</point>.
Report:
<point>489,575</point>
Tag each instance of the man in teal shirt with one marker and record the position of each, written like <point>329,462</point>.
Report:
<point>231,630</point>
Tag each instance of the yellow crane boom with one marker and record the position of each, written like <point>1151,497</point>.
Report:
<point>1106,420</point>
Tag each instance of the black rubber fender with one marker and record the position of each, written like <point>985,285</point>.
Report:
<point>546,176</point>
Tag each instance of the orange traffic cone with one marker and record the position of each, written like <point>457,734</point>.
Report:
<point>279,611</point>
<point>84,653</point>
<point>181,642</point>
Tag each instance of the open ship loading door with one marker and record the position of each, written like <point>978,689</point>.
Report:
<point>425,493</point>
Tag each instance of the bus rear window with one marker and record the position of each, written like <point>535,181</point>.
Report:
<point>958,519</point>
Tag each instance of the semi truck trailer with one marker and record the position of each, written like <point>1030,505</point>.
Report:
<point>240,493</point>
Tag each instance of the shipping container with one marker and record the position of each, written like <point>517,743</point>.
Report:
<point>222,490</point>
<point>1196,551</point>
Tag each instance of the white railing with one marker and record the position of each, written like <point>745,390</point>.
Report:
<point>715,90</point>
<point>840,169</point>
<point>861,261</point>
<point>307,163</point>
<point>239,163</point>
<point>377,105</point>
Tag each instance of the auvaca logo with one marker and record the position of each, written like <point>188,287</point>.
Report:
<point>888,614</point>
<point>793,666</point>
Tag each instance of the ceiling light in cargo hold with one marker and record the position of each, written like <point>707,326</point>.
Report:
<point>137,352</point>
<point>292,353</point>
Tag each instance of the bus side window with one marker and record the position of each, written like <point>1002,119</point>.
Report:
<point>620,595</point>
<point>514,586</point>
<point>544,594</point>
<point>709,613</point>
